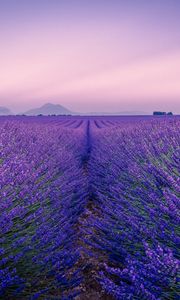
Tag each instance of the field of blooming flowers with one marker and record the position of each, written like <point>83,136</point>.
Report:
<point>89,207</point>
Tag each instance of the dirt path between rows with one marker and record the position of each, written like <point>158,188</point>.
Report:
<point>90,262</point>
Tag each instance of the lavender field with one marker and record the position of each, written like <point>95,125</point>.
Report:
<point>89,207</point>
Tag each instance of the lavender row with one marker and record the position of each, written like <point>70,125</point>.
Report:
<point>40,176</point>
<point>135,177</point>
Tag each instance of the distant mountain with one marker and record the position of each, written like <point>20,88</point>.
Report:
<point>49,109</point>
<point>4,111</point>
<point>57,109</point>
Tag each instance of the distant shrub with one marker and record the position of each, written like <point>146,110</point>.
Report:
<point>159,113</point>
<point>162,113</point>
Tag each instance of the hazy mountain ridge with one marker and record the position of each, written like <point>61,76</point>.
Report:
<point>57,109</point>
<point>4,111</point>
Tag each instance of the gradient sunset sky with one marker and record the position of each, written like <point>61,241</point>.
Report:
<point>90,55</point>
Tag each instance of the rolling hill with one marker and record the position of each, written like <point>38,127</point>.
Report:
<point>49,109</point>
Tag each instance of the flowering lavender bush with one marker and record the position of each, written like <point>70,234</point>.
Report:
<point>135,176</point>
<point>40,176</point>
<point>89,197</point>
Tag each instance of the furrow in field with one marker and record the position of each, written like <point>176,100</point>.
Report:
<point>89,262</point>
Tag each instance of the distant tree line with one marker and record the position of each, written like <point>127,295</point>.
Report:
<point>162,113</point>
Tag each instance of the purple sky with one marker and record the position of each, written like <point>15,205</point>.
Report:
<point>93,55</point>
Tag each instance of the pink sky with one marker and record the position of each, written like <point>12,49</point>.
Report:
<point>105,57</point>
